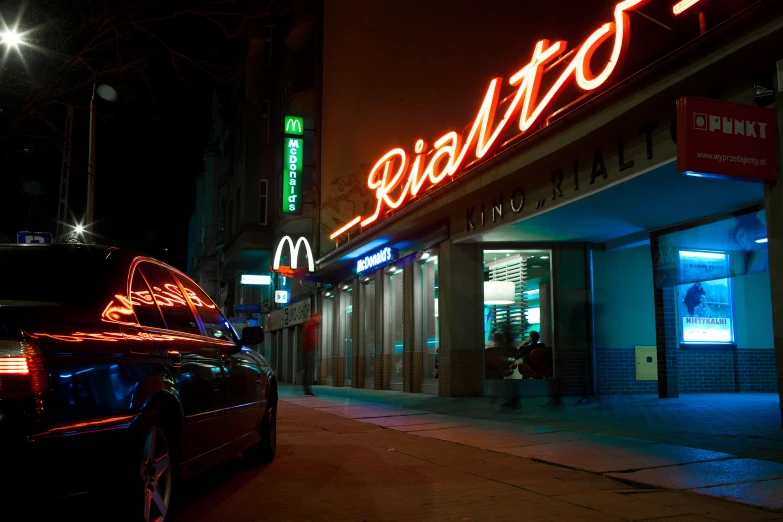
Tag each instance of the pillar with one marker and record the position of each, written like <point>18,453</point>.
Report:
<point>773,202</point>
<point>572,317</point>
<point>461,289</point>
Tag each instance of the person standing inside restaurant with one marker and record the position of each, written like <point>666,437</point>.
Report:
<point>309,348</point>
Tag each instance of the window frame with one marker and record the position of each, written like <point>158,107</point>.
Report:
<point>133,271</point>
<point>177,275</point>
<point>170,271</point>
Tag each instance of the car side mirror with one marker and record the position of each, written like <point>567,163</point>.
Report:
<point>252,335</point>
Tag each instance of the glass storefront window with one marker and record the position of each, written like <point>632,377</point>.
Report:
<point>368,307</point>
<point>430,324</point>
<point>327,333</point>
<point>396,328</point>
<point>706,265</point>
<point>348,334</point>
<point>517,309</point>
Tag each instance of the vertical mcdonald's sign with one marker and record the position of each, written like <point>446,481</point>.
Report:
<point>292,164</point>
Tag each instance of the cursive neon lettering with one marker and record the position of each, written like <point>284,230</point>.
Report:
<point>387,178</point>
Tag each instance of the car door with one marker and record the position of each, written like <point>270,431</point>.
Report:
<point>246,383</point>
<point>193,362</point>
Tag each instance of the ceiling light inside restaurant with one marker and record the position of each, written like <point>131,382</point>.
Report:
<point>499,292</point>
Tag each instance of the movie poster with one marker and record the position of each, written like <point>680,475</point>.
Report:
<point>705,307</point>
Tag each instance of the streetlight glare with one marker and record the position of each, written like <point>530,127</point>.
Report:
<point>79,229</point>
<point>10,38</point>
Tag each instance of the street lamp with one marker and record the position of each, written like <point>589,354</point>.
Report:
<point>10,38</point>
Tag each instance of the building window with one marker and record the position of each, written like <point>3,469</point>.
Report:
<point>263,198</point>
<point>268,45</point>
<point>517,309</point>
<point>430,320</point>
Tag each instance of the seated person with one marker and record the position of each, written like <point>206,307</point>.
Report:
<point>535,358</point>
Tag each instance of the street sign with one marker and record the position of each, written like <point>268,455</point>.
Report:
<point>32,238</point>
<point>247,308</point>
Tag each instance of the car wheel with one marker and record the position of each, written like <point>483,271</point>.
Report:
<point>264,451</point>
<point>156,466</point>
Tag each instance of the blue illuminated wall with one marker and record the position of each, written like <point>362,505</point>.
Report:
<point>625,317</point>
<point>624,312</point>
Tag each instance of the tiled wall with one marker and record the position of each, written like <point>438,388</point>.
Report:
<point>616,373</point>
<point>700,371</point>
<point>756,370</point>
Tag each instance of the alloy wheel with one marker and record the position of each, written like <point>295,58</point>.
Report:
<point>155,473</point>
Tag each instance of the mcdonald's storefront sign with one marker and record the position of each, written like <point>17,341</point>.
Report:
<point>293,269</point>
<point>292,165</point>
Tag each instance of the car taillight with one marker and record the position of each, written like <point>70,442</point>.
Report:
<point>22,371</point>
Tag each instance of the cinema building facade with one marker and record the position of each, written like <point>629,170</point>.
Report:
<point>628,211</point>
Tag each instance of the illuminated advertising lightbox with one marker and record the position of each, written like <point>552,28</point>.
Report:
<point>705,306</point>
<point>281,296</point>
<point>250,279</point>
<point>293,125</point>
<point>376,259</point>
<point>292,176</point>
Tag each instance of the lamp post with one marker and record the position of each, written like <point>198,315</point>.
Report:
<point>12,39</point>
<point>107,93</point>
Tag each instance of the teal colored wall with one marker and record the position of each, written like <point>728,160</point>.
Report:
<point>624,306</point>
<point>753,311</point>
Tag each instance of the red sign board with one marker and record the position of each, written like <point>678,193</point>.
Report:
<point>722,139</point>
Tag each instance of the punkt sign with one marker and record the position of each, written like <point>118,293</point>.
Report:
<point>376,259</point>
<point>395,177</point>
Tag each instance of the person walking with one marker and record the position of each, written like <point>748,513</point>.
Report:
<point>309,348</point>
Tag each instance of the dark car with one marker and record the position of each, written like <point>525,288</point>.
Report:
<point>117,372</point>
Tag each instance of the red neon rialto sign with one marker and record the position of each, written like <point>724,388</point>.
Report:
<point>394,178</point>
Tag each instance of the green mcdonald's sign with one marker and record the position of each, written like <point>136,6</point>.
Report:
<point>292,176</point>
<point>294,125</point>
<point>292,165</point>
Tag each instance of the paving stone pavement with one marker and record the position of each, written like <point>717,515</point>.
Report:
<point>635,439</point>
<point>330,467</point>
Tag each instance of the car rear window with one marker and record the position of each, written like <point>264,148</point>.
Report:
<point>54,274</point>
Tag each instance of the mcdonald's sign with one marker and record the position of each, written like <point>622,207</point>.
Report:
<point>293,248</point>
<point>292,165</point>
<point>294,125</point>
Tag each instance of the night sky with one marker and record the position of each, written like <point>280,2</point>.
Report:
<point>165,63</point>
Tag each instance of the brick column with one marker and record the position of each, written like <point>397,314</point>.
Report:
<point>461,360</point>
<point>571,325</point>
<point>411,381</point>
<point>666,340</point>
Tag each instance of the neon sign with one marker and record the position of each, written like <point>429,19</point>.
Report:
<point>395,178</point>
<point>293,125</point>
<point>292,175</point>
<point>294,253</point>
<point>374,260</point>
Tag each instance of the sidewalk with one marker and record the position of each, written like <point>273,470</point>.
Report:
<point>725,446</point>
<point>332,468</point>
